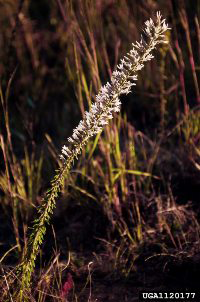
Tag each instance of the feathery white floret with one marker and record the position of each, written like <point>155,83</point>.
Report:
<point>123,78</point>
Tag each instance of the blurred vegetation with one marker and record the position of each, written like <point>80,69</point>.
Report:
<point>132,200</point>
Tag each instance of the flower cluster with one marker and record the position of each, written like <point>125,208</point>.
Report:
<point>123,78</point>
<point>101,111</point>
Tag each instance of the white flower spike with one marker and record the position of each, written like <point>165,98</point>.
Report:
<point>107,102</point>
<point>123,78</point>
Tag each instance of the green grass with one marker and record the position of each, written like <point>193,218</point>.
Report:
<point>132,197</point>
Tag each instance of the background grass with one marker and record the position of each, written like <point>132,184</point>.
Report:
<point>131,204</point>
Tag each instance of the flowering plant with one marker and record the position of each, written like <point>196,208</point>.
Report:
<point>106,104</point>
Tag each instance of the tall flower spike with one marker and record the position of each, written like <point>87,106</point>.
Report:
<point>101,111</point>
<point>123,78</point>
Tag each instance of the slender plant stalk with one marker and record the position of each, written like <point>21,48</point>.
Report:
<point>107,102</point>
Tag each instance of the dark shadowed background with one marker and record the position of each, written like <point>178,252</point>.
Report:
<point>131,202</point>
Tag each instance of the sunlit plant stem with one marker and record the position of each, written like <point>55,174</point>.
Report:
<point>107,102</point>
